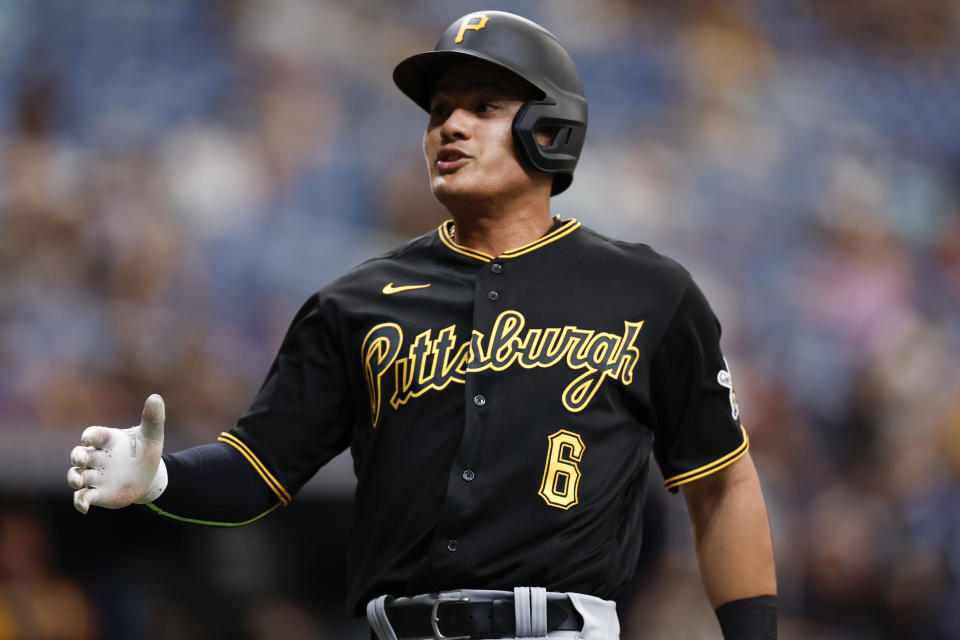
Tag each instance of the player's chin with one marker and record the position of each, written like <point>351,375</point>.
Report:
<point>450,187</point>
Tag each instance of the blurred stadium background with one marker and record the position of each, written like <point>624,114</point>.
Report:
<point>177,177</point>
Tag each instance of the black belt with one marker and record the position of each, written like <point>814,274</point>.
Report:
<point>457,619</point>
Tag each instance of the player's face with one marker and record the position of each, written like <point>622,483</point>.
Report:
<point>469,143</point>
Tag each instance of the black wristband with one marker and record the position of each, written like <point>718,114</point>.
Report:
<point>749,618</point>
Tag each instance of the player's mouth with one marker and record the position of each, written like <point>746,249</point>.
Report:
<point>450,159</point>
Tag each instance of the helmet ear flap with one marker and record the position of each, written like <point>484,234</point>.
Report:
<point>561,155</point>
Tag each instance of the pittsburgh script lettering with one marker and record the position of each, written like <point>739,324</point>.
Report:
<point>431,362</point>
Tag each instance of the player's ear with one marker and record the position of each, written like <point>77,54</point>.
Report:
<point>546,136</point>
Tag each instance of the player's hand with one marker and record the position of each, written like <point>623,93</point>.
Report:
<point>113,468</point>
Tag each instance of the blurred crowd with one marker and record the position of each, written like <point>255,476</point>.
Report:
<point>177,177</point>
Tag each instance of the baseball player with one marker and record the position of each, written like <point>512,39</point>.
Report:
<point>500,381</point>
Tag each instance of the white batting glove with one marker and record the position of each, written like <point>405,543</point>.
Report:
<point>113,468</point>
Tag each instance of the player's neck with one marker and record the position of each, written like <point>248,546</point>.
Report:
<point>496,230</point>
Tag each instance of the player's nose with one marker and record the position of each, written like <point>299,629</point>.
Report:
<point>456,126</point>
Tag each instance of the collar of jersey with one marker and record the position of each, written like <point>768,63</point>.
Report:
<point>565,227</point>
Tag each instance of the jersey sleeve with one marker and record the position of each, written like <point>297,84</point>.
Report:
<point>303,414</point>
<point>698,429</point>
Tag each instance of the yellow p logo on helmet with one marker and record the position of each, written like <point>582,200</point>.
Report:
<point>468,23</point>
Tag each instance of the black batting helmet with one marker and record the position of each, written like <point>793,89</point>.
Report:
<point>530,52</point>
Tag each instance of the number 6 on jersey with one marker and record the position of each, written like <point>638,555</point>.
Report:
<point>561,475</point>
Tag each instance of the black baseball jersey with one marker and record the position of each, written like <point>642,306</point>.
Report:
<point>500,410</point>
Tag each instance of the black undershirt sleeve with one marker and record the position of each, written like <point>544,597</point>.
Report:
<point>213,485</point>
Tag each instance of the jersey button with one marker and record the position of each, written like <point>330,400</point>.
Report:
<point>496,268</point>
<point>468,475</point>
<point>479,400</point>
<point>493,295</point>
<point>453,545</point>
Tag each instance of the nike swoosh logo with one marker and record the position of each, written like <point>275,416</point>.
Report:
<point>390,289</point>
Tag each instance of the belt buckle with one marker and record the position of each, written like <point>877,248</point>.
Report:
<point>435,620</point>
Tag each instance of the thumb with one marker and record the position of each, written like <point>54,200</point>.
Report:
<point>151,422</point>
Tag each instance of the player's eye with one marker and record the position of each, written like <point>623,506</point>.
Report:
<point>438,110</point>
<point>484,107</point>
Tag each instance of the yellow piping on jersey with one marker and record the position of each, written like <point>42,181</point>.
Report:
<point>567,227</point>
<point>444,232</point>
<point>260,468</point>
<point>712,467</point>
